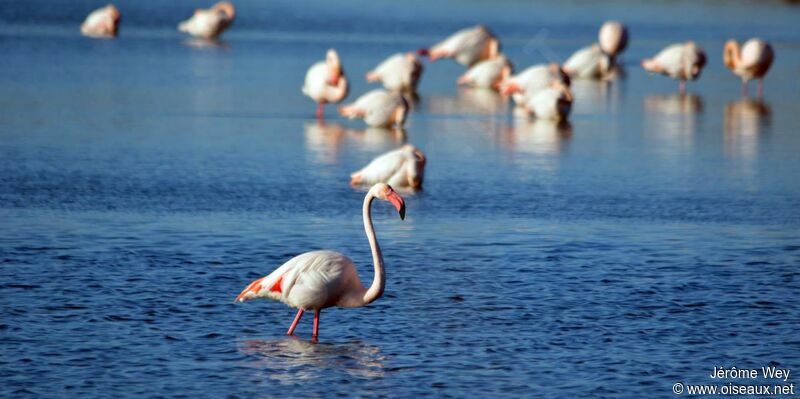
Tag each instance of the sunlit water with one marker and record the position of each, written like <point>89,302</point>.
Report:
<point>145,181</point>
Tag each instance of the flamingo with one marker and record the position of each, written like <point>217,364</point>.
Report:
<point>554,102</point>
<point>378,108</point>
<point>466,47</point>
<point>751,61</point>
<point>487,74</point>
<point>402,168</point>
<point>613,38</point>
<point>682,61</point>
<point>321,279</point>
<point>210,23</point>
<point>325,82</point>
<point>533,79</point>
<point>102,22</point>
<point>589,62</point>
<point>400,72</point>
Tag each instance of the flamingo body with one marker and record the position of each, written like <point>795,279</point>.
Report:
<point>533,79</point>
<point>588,63</point>
<point>400,72</point>
<point>325,81</point>
<point>681,61</point>
<point>378,108</point>
<point>321,279</point>
<point>553,103</point>
<point>487,73</point>
<point>613,38</point>
<point>209,23</point>
<point>102,22</point>
<point>467,46</point>
<point>750,61</point>
<point>402,168</point>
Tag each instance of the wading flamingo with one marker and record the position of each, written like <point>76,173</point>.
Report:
<point>681,61</point>
<point>466,47</point>
<point>487,74</point>
<point>589,62</point>
<point>400,72</point>
<point>325,82</point>
<point>378,108</point>
<point>102,22</point>
<point>210,23</point>
<point>613,38</point>
<point>751,61</point>
<point>321,279</point>
<point>554,103</point>
<point>533,79</point>
<point>402,168</point>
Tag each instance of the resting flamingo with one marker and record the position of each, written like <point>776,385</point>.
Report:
<point>466,47</point>
<point>102,22</point>
<point>589,62</point>
<point>613,38</point>
<point>554,102</point>
<point>751,61</point>
<point>321,279</point>
<point>378,108</point>
<point>400,72</point>
<point>402,168</point>
<point>533,79</point>
<point>325,82</point>
<point>210,23</point>
<point>681,61</point>
<point>487,74</point>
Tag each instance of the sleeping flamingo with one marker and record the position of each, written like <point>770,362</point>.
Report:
<point>102,22</point>
<point>378,108</point>
<point>751,61</point>
<point>682,61</point>
<point>325,82</point>
<point>466,47</point>
<point>589,62</point>
<point>400,72</point>
<point>321,279</point>
<point>553,103</point>
<point>532,79</point>
<point>209,24</point>
<point>487,74</point>
<point>613,38</point>
<point>403,168</point>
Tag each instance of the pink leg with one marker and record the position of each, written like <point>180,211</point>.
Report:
<point>294,323</point>
<point>760,88</point>
<point>321,111</point>
<point>682,87</point>
<point>744,89</point>
<point>315,334</point>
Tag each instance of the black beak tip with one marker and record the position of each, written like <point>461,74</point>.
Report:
<point>403,213</point>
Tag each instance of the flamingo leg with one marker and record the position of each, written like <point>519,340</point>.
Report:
<point>321,111</point>
<point>294,323</point>
<point>682,87</point>
<point>315,333</point>
<point>744,88</point>
<point>760,88</point>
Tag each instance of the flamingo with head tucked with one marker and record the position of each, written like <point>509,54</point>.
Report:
<point>325,82</point>
<point>400,72</point>
<point>466,47</point>
<point>378,108</point>
<point>553,103</point>
<point>403,168</point>
<point>751,61</point>
<point>681,61</point>
<point>321,279</point>
<point>613,38</point>
<point>210,23</point>
<point>533,79</point>
<point>102,22</point>
<point>487,74</point>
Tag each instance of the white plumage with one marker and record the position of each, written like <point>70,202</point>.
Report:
<point>209,23</point>
<point>487,73</point>
<point>400,168</point>
<point>588,63</point>
<point>613,38</point>
<point>378,108</point>
<point>102,22</point>
<point>552,103</point>
<point>751,61</point>
<point>325,81</point>
<point>467,46</point>
<point>399,72</point>
<point>533,79</point>
<point>681,61</point>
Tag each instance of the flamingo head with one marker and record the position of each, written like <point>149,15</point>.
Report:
<point>113,12</point>
<point>385,192</point>
<point>334,66</point>
<point>730,55</point>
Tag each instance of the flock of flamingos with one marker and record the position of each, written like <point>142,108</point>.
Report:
<point>321,279</point>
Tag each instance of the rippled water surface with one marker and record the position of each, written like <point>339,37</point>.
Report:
<point>145,181</point>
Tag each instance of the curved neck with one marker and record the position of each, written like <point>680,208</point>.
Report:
<point>732,54</point>
<point>379,280</point>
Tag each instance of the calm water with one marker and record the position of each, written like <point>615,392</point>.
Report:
<point>145,181</point>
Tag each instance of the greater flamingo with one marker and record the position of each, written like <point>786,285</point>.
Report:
<point>534,78</point>
<point>325,82</point>
<point>102,22</point>
<point>613,38</point>
<point>681,61</point>
<point>466,47</point>
<point>751,61</point>
<point>554,102</point>
<point>210,23</point>
<point>400,72</point>
<point>402,168</point>
<point>378,108</point>
<point>589,62</point>
<point>321,279</point>
<point>487,74</point>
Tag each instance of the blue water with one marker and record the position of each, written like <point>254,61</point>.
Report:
<point>144,181</point>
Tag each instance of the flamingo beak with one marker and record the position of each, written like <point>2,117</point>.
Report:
<point>398,203</point>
